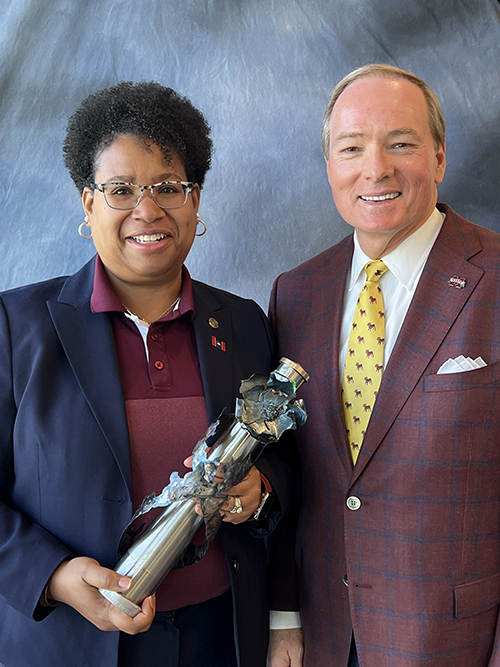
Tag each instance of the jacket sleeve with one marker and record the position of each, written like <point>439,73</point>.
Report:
<point>28,553</point>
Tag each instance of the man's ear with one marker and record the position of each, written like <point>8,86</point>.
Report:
<point>440,164</point>
<point>328,173</point>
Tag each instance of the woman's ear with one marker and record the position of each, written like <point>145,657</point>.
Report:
<point>196,194</point>
<point>88,201</point>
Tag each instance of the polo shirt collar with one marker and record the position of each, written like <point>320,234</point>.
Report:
<point>104,300</point>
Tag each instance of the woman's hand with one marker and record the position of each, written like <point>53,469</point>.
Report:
<point>249,493</point>
<point>76,583</point>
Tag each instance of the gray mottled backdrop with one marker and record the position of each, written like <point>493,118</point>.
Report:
<point>261,71</point>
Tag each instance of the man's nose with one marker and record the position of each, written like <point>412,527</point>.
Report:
<point>377,164</point>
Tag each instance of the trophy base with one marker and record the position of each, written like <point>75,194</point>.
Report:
<point>128,607</point>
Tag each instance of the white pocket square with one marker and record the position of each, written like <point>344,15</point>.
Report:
<point>461,364</point>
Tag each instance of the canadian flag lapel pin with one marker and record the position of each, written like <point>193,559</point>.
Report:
<point>219,344</point>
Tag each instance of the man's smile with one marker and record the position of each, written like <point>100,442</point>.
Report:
<point>390,195</point>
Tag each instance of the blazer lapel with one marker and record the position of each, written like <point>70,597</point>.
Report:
<point>214,341</point>
<point>87,339</point>
<point>434,308</point>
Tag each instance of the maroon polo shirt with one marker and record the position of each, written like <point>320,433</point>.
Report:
<point>166,417</point>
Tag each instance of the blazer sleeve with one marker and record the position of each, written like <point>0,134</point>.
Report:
<point>28,553</point>
<point>251,349</point>
<point>279,463</point>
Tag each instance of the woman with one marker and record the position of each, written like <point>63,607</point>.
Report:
<point>107,380</point>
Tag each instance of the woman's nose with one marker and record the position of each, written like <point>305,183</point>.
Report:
<point>147,208</point>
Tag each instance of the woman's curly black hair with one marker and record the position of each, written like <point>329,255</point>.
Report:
<point>147,110</point>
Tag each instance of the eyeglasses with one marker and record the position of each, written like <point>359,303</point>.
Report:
<point>126,196</point>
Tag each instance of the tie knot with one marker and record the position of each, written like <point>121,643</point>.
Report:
<point>375,269</point>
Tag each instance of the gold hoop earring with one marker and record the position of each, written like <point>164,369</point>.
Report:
<point>204,226</point>
<point>85,223</point>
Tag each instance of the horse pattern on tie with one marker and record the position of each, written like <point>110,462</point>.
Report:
<point>365,357</point>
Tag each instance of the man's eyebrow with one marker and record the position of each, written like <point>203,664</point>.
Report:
<point>397,132</point>
<point>349,135</point>
<point>404,131</point>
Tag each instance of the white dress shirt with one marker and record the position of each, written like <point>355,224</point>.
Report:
<point>405,263</point>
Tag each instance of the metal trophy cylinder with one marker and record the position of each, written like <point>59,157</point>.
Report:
<point>157,550</point>
<point>154,554</point>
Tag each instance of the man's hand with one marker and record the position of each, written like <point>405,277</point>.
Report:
<point>76,582</point>
<point>286,648</point>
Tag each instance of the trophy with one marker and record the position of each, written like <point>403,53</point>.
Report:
<point>229,448</point>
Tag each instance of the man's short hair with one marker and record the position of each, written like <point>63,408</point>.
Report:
<point>436,120</point>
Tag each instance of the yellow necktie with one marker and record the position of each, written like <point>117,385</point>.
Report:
<point>365,357</point>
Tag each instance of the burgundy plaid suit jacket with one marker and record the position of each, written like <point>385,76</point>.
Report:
<point>420,552</point>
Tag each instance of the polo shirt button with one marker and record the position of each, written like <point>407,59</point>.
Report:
<point>159,365</point>
<point>155,336</point>
<point>353,503</point>
<point>345,580</point>
<point>236,565</point>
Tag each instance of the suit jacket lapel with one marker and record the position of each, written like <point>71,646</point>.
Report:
<point>87,339</point>
<point>433,310</point>
<point>327,307</point>
<point>214,341</point>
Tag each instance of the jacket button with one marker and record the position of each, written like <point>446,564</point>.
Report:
<point>236,565</point>
<point>345,580</point>
<point>353,503</point>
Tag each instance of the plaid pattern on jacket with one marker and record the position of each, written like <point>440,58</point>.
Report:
<point>421,554</point>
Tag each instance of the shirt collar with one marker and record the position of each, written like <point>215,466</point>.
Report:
<point>104,300</point>
<point>405,262</point>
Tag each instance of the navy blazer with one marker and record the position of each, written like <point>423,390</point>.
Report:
<point>65,479</point>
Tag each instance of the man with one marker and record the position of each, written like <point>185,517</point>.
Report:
<point>398,547</point>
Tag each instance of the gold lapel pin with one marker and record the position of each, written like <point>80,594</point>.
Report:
<point>213,323</point>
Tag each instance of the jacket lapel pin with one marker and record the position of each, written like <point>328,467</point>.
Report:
<point>219,344</point>
<point>458,282</point>
<point>213,323</point>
